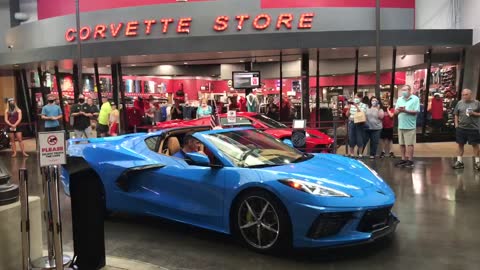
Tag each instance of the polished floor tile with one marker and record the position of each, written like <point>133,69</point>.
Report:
<point>439,229</point>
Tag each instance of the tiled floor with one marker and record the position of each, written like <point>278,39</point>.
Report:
<point>439,229</point>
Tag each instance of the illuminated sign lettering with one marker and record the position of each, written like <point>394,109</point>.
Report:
<point>260,22</point>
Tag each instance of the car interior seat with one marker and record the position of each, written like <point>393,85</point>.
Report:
<point>173,146</point>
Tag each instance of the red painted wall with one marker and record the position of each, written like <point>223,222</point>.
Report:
<point>54,8</point>
<point>337,3</point>
<point>192,86</point>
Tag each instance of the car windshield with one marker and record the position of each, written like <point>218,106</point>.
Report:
<point>254,149</point>
<point>268,121</point>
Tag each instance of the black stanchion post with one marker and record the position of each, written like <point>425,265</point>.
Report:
<point>60,260</point>
<point>47,261</point>
<point>25,218</point>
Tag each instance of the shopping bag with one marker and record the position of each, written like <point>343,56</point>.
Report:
<point>359,117</point>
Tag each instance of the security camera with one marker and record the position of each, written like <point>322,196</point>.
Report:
<point>10,46</point>
<point>22,17</point>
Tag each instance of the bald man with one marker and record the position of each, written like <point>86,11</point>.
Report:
<point>467,113</point>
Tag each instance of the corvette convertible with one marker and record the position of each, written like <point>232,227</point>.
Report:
<point>316,140</point>
<point>243,182</point>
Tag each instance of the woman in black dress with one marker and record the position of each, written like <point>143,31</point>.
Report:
<point>13,118</point>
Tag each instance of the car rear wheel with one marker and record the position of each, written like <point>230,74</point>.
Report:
<point>261,222</point>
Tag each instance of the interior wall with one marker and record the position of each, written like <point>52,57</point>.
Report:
<point>4,25</point>
<point>469,18</point>
<point>472,69</point>
<point>434,14</point>
<point>7,90</point>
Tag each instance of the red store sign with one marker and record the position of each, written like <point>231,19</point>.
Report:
<point>260,22</point>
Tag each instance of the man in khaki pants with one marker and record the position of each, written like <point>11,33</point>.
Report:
<point>407,108</point>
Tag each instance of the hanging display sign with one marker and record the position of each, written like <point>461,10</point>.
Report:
<point>260,22</point>
<point>51,146</point>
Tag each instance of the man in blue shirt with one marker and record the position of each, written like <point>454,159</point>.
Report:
<point>190,145</point>
<point>51,113</point>
<point>407,108</point>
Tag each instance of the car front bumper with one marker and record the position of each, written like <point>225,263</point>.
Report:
<point>317,227</point>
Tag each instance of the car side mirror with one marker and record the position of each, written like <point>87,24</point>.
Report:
<point>198,159</point>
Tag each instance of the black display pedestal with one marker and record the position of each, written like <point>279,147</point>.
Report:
<point>88,213</point>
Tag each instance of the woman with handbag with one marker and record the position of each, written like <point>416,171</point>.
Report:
<point>375,116</point>
<point>13,118</point>
<point>356,114</point>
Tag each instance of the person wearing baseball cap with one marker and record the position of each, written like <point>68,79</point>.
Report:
<point>13,118</point>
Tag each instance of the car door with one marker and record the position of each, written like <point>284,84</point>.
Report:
<point>178,191</point>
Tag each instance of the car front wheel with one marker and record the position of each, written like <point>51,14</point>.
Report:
<point>262,223</point>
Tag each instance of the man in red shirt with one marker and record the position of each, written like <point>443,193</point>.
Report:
<point>436,110</point>
<point>387,133</point>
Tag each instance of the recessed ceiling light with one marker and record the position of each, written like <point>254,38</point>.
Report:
<point>133,65</point>
<point>334,48</point>
<point>299,58</point>
<point>84,66</point>
<point>144,55</point>
<point>334,75</point>
<point>365,55</point>
<point>185,63</point>
<point>219,52</point>
<point>241,61</point>
<point>15,65</point>
<point>448,47</point>
<point>107,65</point>
<point>270,60</point>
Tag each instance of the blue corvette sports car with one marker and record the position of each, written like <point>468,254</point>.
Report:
<point>242,182</point>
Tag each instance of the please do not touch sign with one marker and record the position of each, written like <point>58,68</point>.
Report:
<point>51,146</point>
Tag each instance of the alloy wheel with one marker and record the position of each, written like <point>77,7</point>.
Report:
<point>258,222</point>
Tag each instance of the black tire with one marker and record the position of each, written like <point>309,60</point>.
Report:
<point>283,241</point>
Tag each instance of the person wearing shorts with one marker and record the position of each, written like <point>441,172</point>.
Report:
<point>386,136</point>
<point>13,118</point>
<point>467,127</point>
<point>407,108</point>
<point>103,117</point>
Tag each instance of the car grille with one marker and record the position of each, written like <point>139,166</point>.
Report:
<point>374,220</point>
<point>328,224</point>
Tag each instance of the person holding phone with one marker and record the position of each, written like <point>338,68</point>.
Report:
<point>407,108</point>
<point>13,118</point>
<point>467,113</point>
<point>375,115</point>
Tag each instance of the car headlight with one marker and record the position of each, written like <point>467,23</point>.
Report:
<point>312,188</point>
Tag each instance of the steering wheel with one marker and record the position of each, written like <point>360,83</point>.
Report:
<point>247,153</point>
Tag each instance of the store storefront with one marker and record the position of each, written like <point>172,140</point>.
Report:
<point>306,56</point>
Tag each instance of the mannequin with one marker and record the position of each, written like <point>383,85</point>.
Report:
<point>252,103</point>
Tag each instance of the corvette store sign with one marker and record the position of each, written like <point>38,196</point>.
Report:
<point>162,26</point>
<point>51,146</point>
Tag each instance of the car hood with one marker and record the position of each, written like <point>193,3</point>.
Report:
<point>329,170</point>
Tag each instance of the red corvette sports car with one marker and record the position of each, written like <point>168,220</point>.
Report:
<point>317,141</point>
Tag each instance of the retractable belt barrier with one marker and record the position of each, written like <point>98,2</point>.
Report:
<point>51,217</point>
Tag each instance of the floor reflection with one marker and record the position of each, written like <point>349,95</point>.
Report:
<point>438,209</point>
